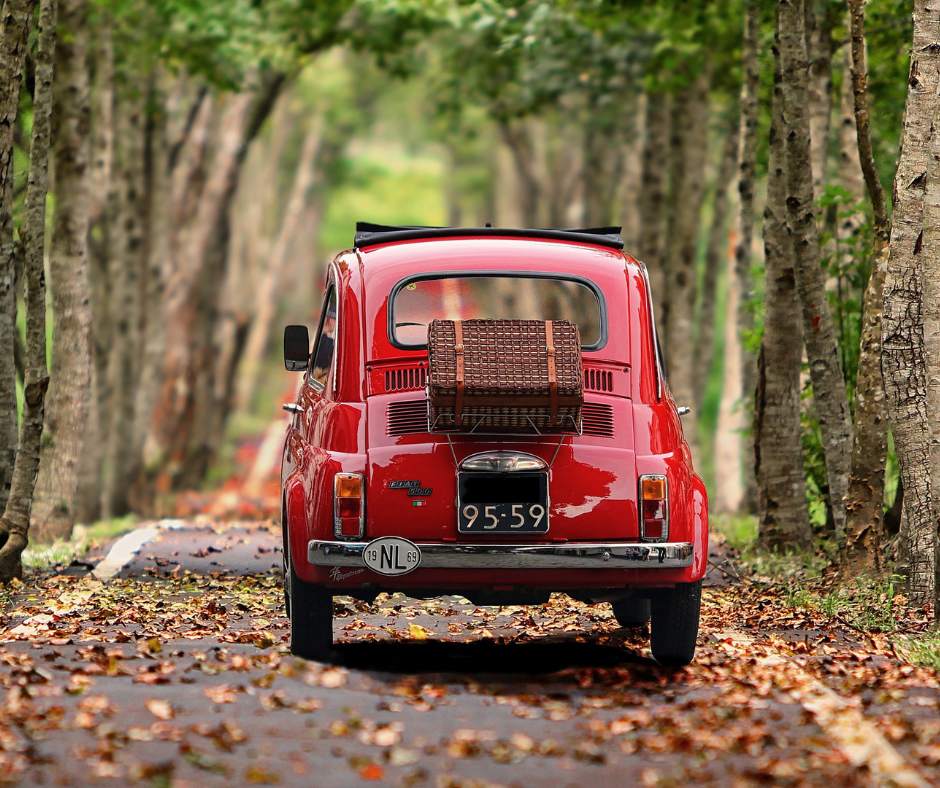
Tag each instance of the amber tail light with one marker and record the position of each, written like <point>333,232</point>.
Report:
<point>654,508</point>
<point>349,491</point>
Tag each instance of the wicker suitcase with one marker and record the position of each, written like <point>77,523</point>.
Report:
<point>520,376</point>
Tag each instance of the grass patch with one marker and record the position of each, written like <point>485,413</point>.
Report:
<point>866,604</point>
<point>63,551</point>
<point>768,566</point>
<point>739,531</point>
<point>104,530</point>
<point>922,650</point>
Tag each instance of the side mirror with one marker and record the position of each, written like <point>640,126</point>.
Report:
<point>296,348</point>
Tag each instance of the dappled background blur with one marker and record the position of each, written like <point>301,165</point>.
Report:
<point>232,147</point>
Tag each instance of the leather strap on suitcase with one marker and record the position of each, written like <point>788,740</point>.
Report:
<point>552,375</point>
<point>458,403</point>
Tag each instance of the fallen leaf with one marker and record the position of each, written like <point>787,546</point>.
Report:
<point>160,709</point>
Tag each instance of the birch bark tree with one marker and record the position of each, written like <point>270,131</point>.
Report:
<point>70,387</point>
<point>864,529</point>
<point>782,508</point>
<point>653,205</point>
<point>715,256</point>
<point>15,23</point>
<point>126,273</point>
<point>747,166</point>
<point>903,353</point>
<point>819,334</point>
<point>819,19</point>
<point>267,289</point>
<point>931,317</point>
<point>14,524</point>
<point>686,192</point>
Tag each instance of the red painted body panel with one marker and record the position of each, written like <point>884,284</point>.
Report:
<point>593,479</point>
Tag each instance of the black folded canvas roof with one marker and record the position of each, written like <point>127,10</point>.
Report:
<point>368,234</point>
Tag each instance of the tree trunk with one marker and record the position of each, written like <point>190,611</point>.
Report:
<point>851,177</point>
<point>14,524</point>
<point>782,507</point>
<point>819,21</point>
<point>686,193</point>
<point>202,244</point>
<point>517,138</point>
<point>267,289</point>
<point>903,355</point>
<point>729,492</point>
<point>631,192</point>
<point>176,157</point>
<point>819,334</point>
<point>102,120</point>
<point>15,21</point>
<point>602,172</point>
<point>865,528</point>
<point>715,256</point>
<point>653,204</point>
<point>747,164</point>
<point>16,17</point>
<point>931,312</point>
<point>88,496</point>
<point>67,403</point>
<point>565,152</point>
<point>126,263</point>
<point>9,334</point>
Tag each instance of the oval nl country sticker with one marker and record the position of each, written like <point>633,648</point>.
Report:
<point>391,555</point>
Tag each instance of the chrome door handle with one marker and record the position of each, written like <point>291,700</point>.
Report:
<point>684,410</point>
<point>292,407</point>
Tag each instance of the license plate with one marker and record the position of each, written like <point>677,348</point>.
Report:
<point>514,503</point>
<point>391,555</point>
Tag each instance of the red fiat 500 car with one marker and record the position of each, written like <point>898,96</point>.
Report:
<point>375,499</point>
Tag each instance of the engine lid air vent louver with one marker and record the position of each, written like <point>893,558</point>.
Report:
<point>411,416</point>
<point>598,380</point>
<point>598,420</point>
<point>407,417</point>
<point>405,378</point>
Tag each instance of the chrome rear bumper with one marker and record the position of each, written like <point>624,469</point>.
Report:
<point>613,555</point>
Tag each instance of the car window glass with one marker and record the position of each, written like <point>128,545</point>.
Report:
<point>326,341</point>
<point>500,297</point>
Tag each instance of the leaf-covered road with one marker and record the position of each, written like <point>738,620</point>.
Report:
<point>179,678</point>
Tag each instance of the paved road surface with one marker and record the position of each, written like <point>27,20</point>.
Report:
<point>160,677</point>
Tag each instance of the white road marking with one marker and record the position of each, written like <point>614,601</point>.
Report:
<point>862,743</point>
<point>125,548</point>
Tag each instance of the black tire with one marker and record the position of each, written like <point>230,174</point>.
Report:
<point>310,610</point>
<point>674,624</point>
<point>285,573</point>
<point>311,619</point>
<point>632,613</point>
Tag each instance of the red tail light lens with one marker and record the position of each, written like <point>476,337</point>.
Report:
<point>654,508</point>
<point>348,505</point>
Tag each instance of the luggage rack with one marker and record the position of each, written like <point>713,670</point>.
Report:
<point>576,428</point>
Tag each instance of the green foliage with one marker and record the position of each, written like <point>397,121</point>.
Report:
<point>63,551</point>
<point>226,44</point>
<point>923,649</point>
<point>867,604</point>
<point>848,262</point>
<point>517,58</point>
<point>739,531</point>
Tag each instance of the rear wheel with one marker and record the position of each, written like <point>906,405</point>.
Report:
<point>310,609</point>
<point>311,619</point>
<point>674,624</point>
<point>632,613</point>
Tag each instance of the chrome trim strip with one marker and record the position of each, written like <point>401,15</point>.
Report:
<point>612,555</point>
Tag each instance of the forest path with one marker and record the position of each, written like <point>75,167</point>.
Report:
<point>182,677</point>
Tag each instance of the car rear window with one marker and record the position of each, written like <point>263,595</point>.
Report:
<point>416,302</point>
